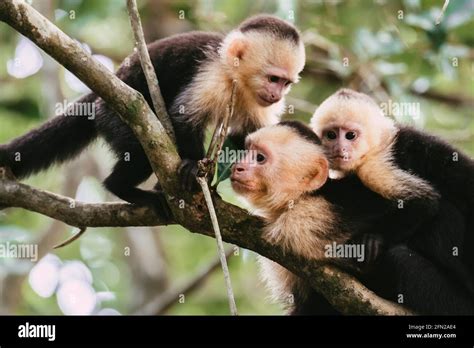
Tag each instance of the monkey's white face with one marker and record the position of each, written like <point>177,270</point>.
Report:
<point>344,145</point>
<point>265,85</point>
<point>264,66</point>
<point>248,175</point>
<point>274,85</point>
<point>350,125</point>
<point>266,176</point>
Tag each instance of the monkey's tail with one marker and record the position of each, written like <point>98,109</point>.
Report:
<point>56,141</point>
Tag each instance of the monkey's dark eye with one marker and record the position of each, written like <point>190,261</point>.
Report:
<point>331,135</point>
<point>287,83</point>
<point>261,158</point>
<point>351,135</point>
<point>273,78</point>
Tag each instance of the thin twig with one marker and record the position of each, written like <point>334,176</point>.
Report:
<point>220,245</point>
<point>206,167</point>
<point>72,238</point>
<point>443,10</point>
<point>148,70</point>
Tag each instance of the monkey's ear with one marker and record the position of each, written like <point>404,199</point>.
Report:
<point>319,176</point>
<point>236,48</point>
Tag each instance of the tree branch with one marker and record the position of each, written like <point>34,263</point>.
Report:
<point>344,292</point>
<point>75,213</point>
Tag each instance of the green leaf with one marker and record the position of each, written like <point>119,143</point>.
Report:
<point>224,166</point>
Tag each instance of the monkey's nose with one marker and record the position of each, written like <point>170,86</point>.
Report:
<point>239,168</point>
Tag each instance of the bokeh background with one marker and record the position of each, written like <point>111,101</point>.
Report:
<point>392,50</point>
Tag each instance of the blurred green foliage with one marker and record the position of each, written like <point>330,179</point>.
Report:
<point>395,43</point>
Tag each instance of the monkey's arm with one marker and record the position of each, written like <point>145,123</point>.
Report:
<point>413,200</point>
<point>381,174</point>
<point>189,140</point>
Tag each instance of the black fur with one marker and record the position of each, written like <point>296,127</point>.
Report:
<point>58,140</point>
<point>433,159</point>
<point>424,286</point>
<point>272,25</point>
<point>302,130</point>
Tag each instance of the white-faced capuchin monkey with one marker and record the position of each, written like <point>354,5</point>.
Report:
<point>196,70</point>
<point>285,177</point>
<point>404,165</point>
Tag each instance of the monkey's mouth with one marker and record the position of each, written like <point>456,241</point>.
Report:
<point>340,162</point>
<point>241,186</point>
<point>263,101</point>
<point>340,158</point>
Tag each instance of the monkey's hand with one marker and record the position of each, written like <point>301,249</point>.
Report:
<point>187,175</point>
<point>373,245</point>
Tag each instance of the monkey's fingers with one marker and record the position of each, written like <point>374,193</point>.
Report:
<point>374,247</point>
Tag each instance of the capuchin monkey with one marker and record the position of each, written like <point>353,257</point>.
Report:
<point>196,71</point>
<point>284,176</point>
<point>404,165</point>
